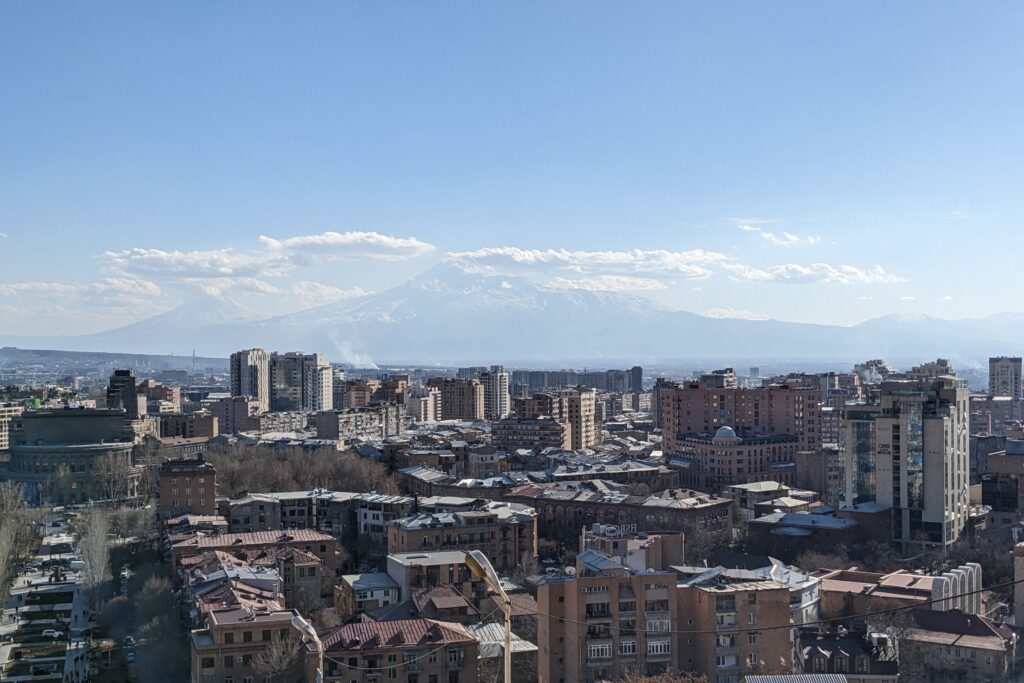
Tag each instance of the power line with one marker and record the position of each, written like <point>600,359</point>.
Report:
<point>404,662</point>
<point>758,629</point>
<point>725,630</point>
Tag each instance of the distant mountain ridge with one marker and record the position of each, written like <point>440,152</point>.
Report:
<point>447,316</point>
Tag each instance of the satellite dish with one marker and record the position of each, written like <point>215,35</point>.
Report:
<point>569,571</point>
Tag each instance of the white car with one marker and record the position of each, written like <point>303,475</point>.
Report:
<point>51,633</point>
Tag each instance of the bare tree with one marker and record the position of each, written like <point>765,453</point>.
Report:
<point>94,549</point>
<point>278,659</point>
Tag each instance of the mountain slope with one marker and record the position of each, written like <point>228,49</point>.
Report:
<point>446,316</point>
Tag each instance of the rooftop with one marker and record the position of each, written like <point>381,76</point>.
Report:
<point>395,634</point>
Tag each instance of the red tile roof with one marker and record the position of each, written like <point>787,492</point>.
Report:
<point>395,634</point>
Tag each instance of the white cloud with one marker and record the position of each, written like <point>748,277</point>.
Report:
<point>332,245</point>
<point>781,239</point>
<point>314,294</point>
<point>948,297</point>
<point>814,272</point>
<point>908,298</point>
<point>275,257</point>
<point>608,283</point>
<point>692,264</point>
<point>42,306</point>
<point>3,235</point>
<point>730,312</point>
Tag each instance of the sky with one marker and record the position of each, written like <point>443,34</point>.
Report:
<point>804,161</point>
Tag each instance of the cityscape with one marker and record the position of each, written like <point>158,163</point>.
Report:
<point>450,342</point>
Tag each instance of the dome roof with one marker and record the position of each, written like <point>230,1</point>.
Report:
<point>725,432</point>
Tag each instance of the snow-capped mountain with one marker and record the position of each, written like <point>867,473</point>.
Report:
<point>448,316</point>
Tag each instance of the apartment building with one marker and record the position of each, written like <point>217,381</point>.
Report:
<point>922,428</point>
<point>235,414</point>
<point>512,434</point>
<point>10,419</point>
<point>423,404</point>
<point>121,394</point>
<point>461,399</point>
<point>576,408</point>
<point>497,400</point>
<point>318,544</point>
<point>358,593</point>
<point>250,376</point>
<point>301,381</point>
<point>724,611</point>
<point>376,510</point>
<point>1004,376</point>
<point>689,408</point>
<point>412,650</point>
<point>605,621</point>
<point>187,487</point>
<point>417,571</point>
<point>366,423</point>
<point>230,646</point>
<point>563,508</point>
<point>189,426</point>
<point>712,463</point>
<point>505,532</point>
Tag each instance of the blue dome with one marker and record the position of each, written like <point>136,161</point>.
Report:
<point>725,432</point>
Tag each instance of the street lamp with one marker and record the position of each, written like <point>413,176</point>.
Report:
<point>306,629</point>
<point>484,570</point>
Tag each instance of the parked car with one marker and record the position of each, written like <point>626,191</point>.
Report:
<point>51,633</point>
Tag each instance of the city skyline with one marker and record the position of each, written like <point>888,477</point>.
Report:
<point>693,156</point>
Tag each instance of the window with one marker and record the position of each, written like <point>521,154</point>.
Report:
<point>229,638</point>
<point>229,662</point>
<point>627,647</point>
<point>751,659</point>
<point>752,598</point>
<point>752,638</point>
<point>842,664</point>
<point>266,635</point>
<point>659,625</point>
<point>862,665</point>
<point>247,637</point>
<point>603,650</point>
<point>207,663</point>
<point>751,618</point>
<point>659,647</point>
<point>820,664</point>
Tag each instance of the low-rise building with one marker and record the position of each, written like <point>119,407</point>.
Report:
<point>412,650</point>
<point>952,646</point>
<point>736,624</point>
<point>713,462</point>
<point>846,593</point>
<point>513,433</point>
<point>358,593</point>
<point>563,508</point>
<point>859,656</point>
<point>505,532</point>
<point>230,646</point>
<point>187,487</point>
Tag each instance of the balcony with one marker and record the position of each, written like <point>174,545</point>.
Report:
<point>455,664</point>
<point>413,666</point>
<point>726,625</point>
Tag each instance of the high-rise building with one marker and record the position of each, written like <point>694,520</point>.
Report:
<point>122,394</point>
<point>301,381</point>
<point>10,419</point>
<point>1004,376</point>
<point>250,376</point>
<point>423,404</point>
<point>573,407</point>
<point>636,380</point>
<point>857,450</point>
<point>497,401</point>
<point>461,399</point>
<point>921,459</point>
<point>697,407</point>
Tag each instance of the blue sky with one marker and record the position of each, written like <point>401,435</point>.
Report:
<point>824,162</point>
